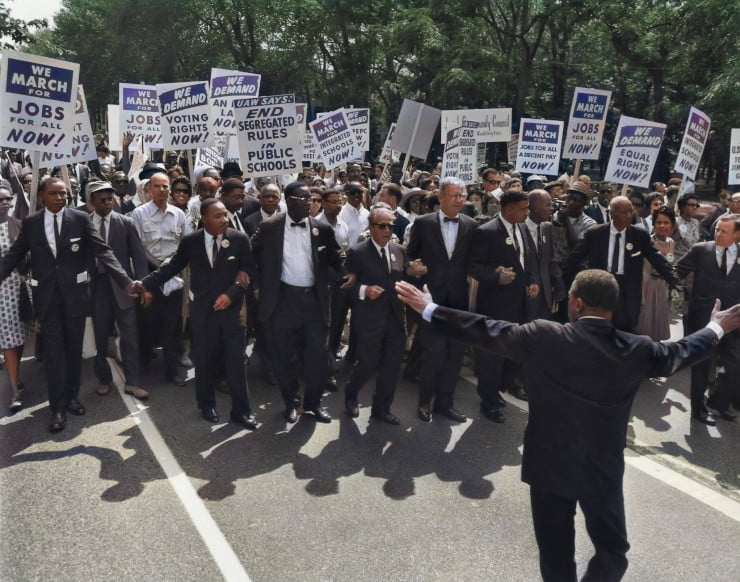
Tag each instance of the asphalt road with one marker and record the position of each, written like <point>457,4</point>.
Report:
<point>152,492</point>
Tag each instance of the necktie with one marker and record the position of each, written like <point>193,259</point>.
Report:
<point>516,242</point>
<point>384,258</point>
<point>103,233</point>
<point>448,219</point>
<point>608,218</point>
<point>301,224</point>
<point>56,234</point>
<point>214,251</point>
<point>723,264</point>
<point>539,239</point>
<point>237,223</point>
<point>615,254</point>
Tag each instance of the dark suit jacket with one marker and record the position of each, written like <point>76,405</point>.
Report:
<point>709,283</point>
<point>489,250</point>
<point>252,223</point>
<point>126,245</point>
<point>581,380</point>
<point>207,282</point>
<point>364,261</point>
<point>249,206</point>
<point>267,244</point>
<point>594,248</point>
<point>78,239</point>
<point>594,213</point>
<point>400,222</point>
<point>447,278</point>
<point>550,275</point>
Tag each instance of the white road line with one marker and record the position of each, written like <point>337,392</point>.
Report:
<point>686,485</point>
<point>219,548</point>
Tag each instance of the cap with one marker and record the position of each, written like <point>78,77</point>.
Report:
<point>100,186</point>
<point>535,177</point>
<point>578,187</point>
<point>149,169</point>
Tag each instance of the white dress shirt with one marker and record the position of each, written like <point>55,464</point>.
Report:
<point>208,240</point>
<point>297,260</point>
<point>449,232</point>
<point>49,228</point>
<point>612,238</point>
<point>514,233</point>
<point>731,256</point>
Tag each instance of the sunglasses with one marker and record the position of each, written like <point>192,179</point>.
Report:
<point>384,225</point>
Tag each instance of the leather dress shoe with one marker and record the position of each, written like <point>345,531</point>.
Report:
<point>291,414</point>
<point>500,400</point>
<point>103,389</point>
<point>331,385</point>
<point>58,422</point>
<point>519,392</point>
<point>75,407</point>
<point>15,405</point>
<point>246,420</point>
<point>424,414</point>
<point>386,417</point>
<point>352,408</point>
<point>492,414</point>
<point>210,415</point>
<point>723,414</point>
<point>452,413</point>
<point>319,413</point>
<point>136,392</point>
<point>703,417</point>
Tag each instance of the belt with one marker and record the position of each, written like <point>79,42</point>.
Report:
<point>298,289</point>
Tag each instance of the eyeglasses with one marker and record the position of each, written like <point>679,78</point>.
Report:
<point>492,181</point>
<point>5,200</point>
<point>315,200</point>
<point>304,199</point>
<point>384,225</point>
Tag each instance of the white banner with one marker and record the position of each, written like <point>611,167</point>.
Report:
<point>692,147</point>
<point>139,107</point>
<point>268,134</point>
<point>185,114</point>
<point>635,150</point>
<point>586,124</point>
<point>37,102</point>
<point>539,146</point>
<point>493,124</point>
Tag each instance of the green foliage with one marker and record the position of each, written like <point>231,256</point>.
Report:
<point>15,32</point>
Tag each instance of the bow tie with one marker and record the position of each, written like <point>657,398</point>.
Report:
<point>301,224</point>
<point>448,219</point>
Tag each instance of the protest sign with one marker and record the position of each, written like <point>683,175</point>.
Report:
<point>359,121</point>
<point>512,147</point>
<point>334,138</point>
<point>37,102</point>
<point>300,117</point>
<point>185,114</point>
<point>415,128</point>
<point>388,155</point>
<point>140,115</point>
<point>460,153</point>
<point>733,176</point>
<point>310,148</point>
<point>493,124</point>
<point>692,147</point>
<point>226,86</point>
<point>83,145</point>
<point>268,135</point>
<point>539,146</point>
<point>586,124</point>
<point>209,157</point>
<point>636,146</point>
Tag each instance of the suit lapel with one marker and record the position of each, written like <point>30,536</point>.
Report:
<point>41,226</point>
<point>438,235</point>
<point>314,244</point>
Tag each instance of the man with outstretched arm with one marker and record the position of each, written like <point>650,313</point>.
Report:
<point>583,377</point>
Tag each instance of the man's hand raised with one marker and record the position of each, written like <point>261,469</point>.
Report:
<point>412,297</point>
<point>729,319</point>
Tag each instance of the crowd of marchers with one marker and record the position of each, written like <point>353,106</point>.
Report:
<point>306,270</point>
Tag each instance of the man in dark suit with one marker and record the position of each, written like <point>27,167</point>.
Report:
<point>539,227</point>
<point>504,264</point>
<point>600,211</point>
<point>112,303</point>
<point>438,251</point>
<point>294,253</point>
<point>716,275</point>
<point>584,378</point>
<point>221,265</point>
<point>378,316</point>
<point>619,247</point>
<point>61,241</point>
<point>269,198</point>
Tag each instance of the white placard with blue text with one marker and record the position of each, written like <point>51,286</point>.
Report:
<point>226,86</point>
<point>539,146</point>
<point>586,124</point>
<point>635,150</point>
<point>37,102</point>
<point>139,110</point>
<point>185,114</point>
<point>692,146</point>
<point>733,176</point>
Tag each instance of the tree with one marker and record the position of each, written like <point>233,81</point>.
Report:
<point>18,31</point>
